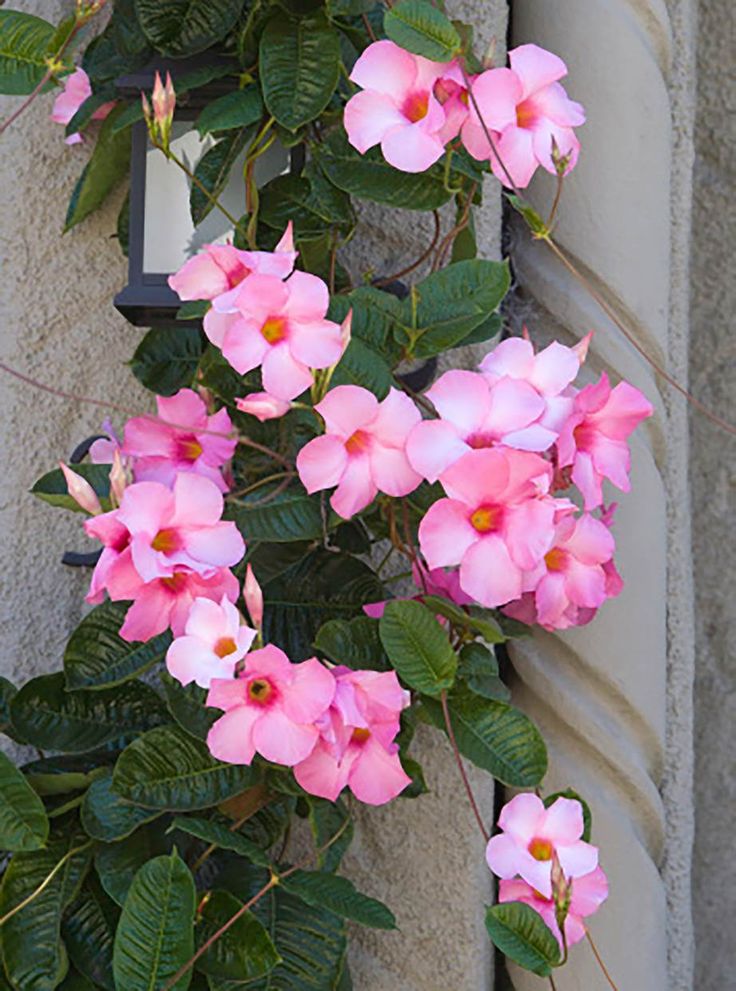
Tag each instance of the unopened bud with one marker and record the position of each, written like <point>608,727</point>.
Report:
<point>346,328</point>
<point>253,597</point>
<point>561,893</point>
<point>118,478</point>
<point>561,162</point>
<point>581,348</point>
<point>287,239</point>
<point>263,406</point>
<point>81,491</point>
<point>159,114</point>
<point>490,56</point>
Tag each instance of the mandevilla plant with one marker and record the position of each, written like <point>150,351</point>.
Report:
<point>250,656</point>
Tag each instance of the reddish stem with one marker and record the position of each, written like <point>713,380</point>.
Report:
<point>461,767</point>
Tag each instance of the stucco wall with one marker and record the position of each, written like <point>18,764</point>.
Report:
<point>713,479</point>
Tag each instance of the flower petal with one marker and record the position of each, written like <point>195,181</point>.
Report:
<point>321,463</point>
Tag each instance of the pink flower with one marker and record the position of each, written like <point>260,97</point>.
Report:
<point>76,91</point>
<point>588,894</point>
<point>362,451</point>
<point>575,577</point>
<point>262,406</point>
<point>528,112</point>
<point>533,835</point>
<point>113,569</point>
<point>497,523</point>
<point>81,491</point>
<point>271,708</point>
<point>218,271</point>
<point>410,106</point>
<point>214,640</point>
<point>253,598</point>
<point>178,530</point>
<point>186,441</point>
<point>280,326</point>
<point>356,746</point>
<point>593,439</point>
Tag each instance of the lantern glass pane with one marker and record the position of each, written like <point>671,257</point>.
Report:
<point>169,236</point>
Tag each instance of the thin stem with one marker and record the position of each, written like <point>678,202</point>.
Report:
<point>460,226</point>
<point>486,131</point>
<point>422,258</point>
<point>287,477</point>
<point>259,484</point>
<point>556,201</point>
<point>369,29</point>
<point>45,883</point>
<point>201,186</point>
<point>461,767</point>
<point>255,446</point>
<point>598,957</point>
<point>552,984</point>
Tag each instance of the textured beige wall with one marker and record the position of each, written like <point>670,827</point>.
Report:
<point>713,479</point>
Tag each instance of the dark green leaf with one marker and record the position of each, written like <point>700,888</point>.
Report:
<point>485,331</point>
<point>210,831</point>
<point>291,198</point>
<point>291,515</point>
<point>186,705</point>
<point>299,67</point>
<point>422,29</point>
<point>195,309</point>
<point>33,953</point>
<point>166,359</point>
<point>117,863</point>
<point>106,168</point>
<point>490,632</point>
<point>418,647</point>
<point>370,177</point>
<point>534,222</point>
<point>168,769</point>
<point>51,718</point>
<point>479,667</point>
<point>24,46</point>
<point>24,825</point>
<point>105,816</point>
<point>123,226</point>
<point>51,487</point>
<point>83,116</point>
<point>496,737</point>
<point>89,931</point>
<point>97,657</point>
<point>244,952</point>
<point>519,932</point>
<point>241,108</point>
<point>339,895</point>
<point>327,820</point>
<point>213,171</point>
<point>184,27</point>
<point>155,935</point>
<point>353,642</point>
<point>8,691</point>
<point>575,797</point>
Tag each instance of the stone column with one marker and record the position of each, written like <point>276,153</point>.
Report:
<point>613,699</point>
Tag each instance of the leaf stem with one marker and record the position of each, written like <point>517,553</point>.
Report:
<point>201,186</point>
<point>461,767</point>
<point>45,883</point>
<point>599,959</point>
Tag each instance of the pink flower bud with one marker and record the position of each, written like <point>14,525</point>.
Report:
<point>81,491</point>
<point>118,477</point>
<point>346,330</point>
<point>263,406</point>
<point>253,597</point>
<point>287,239</point>
<point>581,348</point>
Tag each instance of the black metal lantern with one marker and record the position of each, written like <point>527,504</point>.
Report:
<point>161,233</point>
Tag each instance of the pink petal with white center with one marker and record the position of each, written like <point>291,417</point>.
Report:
<point>317,344</point>
<point>577,859</point>
<point>553,102</point>
<point>356,489</point>
<point>488,574</point>
<point>321,463</point>
<point>308,298</point>
<point>391,471</point>
<point>478,478</point>
<point>244,346</point>
<point>514,404</point>
<point>446,533</point>
<point>347,408</point>
<point>216,546</point>
<point>411,148</point>
<point>218,325</point>
<point>231,738</point>
<point>462,398</point>
<point>197,501</point>
<point>551,601</point>
<point>188,659</point>
<point>535,67</point>
<point>497,93</point>
<point>284,376</point>
<point>310,693</point>
<point>554,369</point>
<point>432,446</point>
<point>516,151</point>
<point>369,115</point>
<point>282,741</point>
<point>513,357</point>
<point>396,416</point>
<point>321,774</point>
<point>144,506</point>
<point>376,776</point>
<point>386,68</point>
<point>530,531</point>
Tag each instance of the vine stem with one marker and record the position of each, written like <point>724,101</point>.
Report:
<point>552,984</point>
<point>422,258</point>
<point>273,881</point>
<point>461,767</point>
<point>599,958</point>
<point>201,186</point>
<point>45,883</point>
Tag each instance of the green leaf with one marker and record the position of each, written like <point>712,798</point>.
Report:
<point>486,330</point>
<point>53,719</point>
<point>8,691</point>
<point>240,108</point>
<point>166,359</point>
<point>244,952</point>
<point>155,935</point>
<point>117,863</point>
<point>291,515</point>
<point>194,309</point>
<point>168,769</point>
<point>210,831</point>
<point>322,586</point>
<point>534,221</point>
<point>490,632</point>
<point>51,487</point>
<point>479,668</point>
<point>355,643</point>
<point>97,657</point>
<point>339,895</point>
<point>213,171</point>
<point>291,197</point>
<point>299,67</point>
<point>422,29</point>
<point>575,797</point>
<point>105,816</point>
<point>371,178</point>
<point>326,820</point>
<point>494,736</point>
<point>177,28</point>
<point>106,168</point>
<point>24,825</point>
<point>89,932</point>
<point>34,956</point>
<point>24,46</point>
<point>418,647</point>
<point>187,705</point>
<point>454,301</point>
<point>519,932</point>
<point>372,352</point>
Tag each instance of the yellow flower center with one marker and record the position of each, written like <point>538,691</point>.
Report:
<point>360,734</point>
<point>189,449</point>
<point>357,442</point>
<point>225,646</point>
<point>525,114</point>
<point>487,519</point>
<point>416,106</point>
<point>274,329</point>
<point>541,849</point>
<point>556,559</point>
<point>260,691</point>
<point>166,541</point>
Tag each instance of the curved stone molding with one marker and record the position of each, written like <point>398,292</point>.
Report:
<point>612,698</point>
